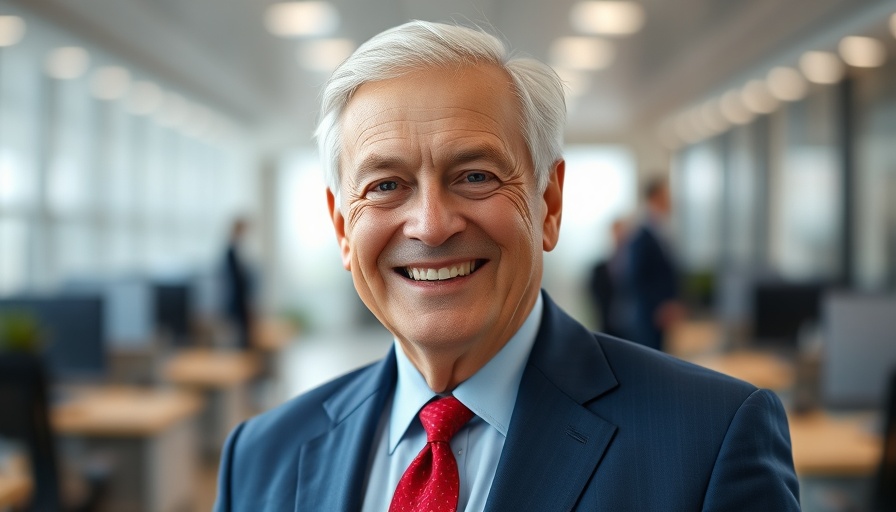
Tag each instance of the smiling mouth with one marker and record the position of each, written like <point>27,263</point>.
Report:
<point>441,274</point>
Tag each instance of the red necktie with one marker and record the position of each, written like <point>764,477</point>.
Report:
<point>431,481</point>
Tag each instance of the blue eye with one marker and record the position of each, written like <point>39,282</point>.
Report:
<point>476,177</point>
<point>386,186</point>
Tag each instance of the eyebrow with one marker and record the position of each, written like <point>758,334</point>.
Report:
<point>372,163</point>
<point>486,152</point>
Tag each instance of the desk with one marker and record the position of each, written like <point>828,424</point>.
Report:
<point>223,377</point>
<point>15,490</point>
<point>211,369</point>
<point>761,369</point>
<point>826,445</point>
<point>272,334</point>
<point>692,337</point>
<point>150,433</point>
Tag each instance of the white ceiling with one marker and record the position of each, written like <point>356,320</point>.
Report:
<point>219,51</point>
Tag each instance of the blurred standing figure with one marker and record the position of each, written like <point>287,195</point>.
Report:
<point>238,285</point>
<point>652,273</point>
<point>607,285</point>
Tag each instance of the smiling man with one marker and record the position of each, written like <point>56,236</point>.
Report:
<point>445,183</point>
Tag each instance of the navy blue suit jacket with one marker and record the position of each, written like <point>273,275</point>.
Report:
<point>599,424</point>
<point>654,280</point>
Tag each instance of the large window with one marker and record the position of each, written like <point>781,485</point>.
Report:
<point>91,184</point>
<point>806,188</point>
<point>875,186</point>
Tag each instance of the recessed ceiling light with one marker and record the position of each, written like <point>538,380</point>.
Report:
<point>67,63</point>
<point>756,97</point>
<point>144,98</point>
<point>12,29</point>
<point>110,83</point>
<point>821,67</point>
<point>325,55</point>
<point>301,19</point>
<point>862,52</point>
<point>607,17</point>
<point>786,84</point>
<point>733,108</point>
<point>711,114</point>
<point>582,53</point>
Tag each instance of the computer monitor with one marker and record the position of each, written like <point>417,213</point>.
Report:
<point>129,308</point>
<point>860,349</point>
<point>780,310</point>
<point>72,330</point>
<point>174,310</point>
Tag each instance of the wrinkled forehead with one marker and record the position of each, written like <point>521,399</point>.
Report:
<point>469,97</point>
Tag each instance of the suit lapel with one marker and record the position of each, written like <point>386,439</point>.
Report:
<point>555,443</point>
<point>332,468</point>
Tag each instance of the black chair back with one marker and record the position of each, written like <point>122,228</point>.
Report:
<point>885,486</point>
<point>24,418</point>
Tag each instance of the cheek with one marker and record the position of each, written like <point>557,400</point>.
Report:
<point>371,230</point>
<point>517,201</point>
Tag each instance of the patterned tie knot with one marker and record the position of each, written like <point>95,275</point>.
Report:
<point>442,418</point>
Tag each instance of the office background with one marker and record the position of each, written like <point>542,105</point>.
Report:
<point>132,134</point>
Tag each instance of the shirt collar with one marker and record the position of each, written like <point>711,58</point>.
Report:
<point>490,393</point>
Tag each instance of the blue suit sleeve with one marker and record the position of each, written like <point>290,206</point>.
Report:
<point>223,501</point>
<point>754,467</point>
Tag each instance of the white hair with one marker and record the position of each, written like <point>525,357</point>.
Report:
<point>420,44</point>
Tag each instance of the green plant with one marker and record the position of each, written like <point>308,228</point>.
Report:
<point>19,332</point>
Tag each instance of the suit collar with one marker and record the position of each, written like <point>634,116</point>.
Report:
<point>569,357</point>
<point>332,468</point>
<point>554,440</point>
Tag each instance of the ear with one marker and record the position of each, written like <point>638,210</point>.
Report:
<point>339,226</point>
<point>553,201</point>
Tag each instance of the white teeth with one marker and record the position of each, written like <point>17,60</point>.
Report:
<point>441,274</point>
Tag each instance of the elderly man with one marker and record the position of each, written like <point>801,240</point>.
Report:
<point>445,183</point>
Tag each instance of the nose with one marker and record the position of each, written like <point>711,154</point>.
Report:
<point>433,216</point>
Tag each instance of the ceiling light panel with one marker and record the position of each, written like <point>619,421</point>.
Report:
<point>325,55</point>
<point>110,83</point>
<point>821,67</point>
<point>12,29</point>
<point>862,52</point>
<point>582,53</point>
<point>756,97</point>
<point>301,19</point>
<point>786,84</point>
<point>607,17</point>
<point>67,62</point>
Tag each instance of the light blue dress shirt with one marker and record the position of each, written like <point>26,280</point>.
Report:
<point>490,393</point>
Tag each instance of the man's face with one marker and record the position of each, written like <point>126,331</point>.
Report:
<point>441,222</point>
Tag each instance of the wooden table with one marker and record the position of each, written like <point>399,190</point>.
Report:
<point>121,411</point>
<point>827,445</point>
<point>223,377</point>
<point>211,368</point>
<point>151,435</point>
<point>272,334</point>
<point>15,489</point>
<point>763,370</point>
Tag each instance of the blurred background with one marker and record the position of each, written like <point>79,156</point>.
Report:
<point>168,268</point>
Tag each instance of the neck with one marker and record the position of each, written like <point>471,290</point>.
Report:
<point>444,367</point>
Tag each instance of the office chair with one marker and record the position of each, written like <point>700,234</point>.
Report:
<point>885,484</point>
<point>24,417</point>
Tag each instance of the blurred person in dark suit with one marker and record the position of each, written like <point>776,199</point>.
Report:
<point>607,285</point>
<point>443,160</point>
<point>653,277</point>
<point>238,285</point>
